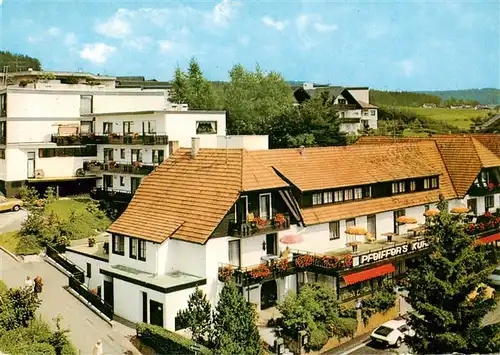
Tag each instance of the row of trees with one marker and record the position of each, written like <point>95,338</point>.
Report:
<point>17,62</point>
<point>415,99</point>
<point>260,103</point>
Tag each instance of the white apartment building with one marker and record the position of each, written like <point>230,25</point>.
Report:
<point>44,120</point>
<point>352,103</point>
<point>206,215</point>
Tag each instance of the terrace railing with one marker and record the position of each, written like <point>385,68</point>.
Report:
<point>134,138</point>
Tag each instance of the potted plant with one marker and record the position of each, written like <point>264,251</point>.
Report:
<point>279,219</point>
<point>304,261</point>
<point>136,164</point>
<point>260,222</point>
<point>226,272</point>
<point>260,272</point>
<point>112,164</point>
<point>91,242</point>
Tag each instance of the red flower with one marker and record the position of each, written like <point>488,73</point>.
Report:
<point>282,264</point>
<point>261,271</point>
<point>304,261</point>
<point>487,214</point>
<point>491,186</point>
<point>261,223</point>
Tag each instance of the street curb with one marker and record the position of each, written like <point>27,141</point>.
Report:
<point>12,255</point>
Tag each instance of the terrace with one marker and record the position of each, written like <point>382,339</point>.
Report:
<point>73,139</point>
<point>134,138</point>
<point>138,168</point>
<point>257,225</point>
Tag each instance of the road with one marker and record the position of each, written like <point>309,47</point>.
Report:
<point>86,327</point>
<point>371,348</point>
<point>12,221</point>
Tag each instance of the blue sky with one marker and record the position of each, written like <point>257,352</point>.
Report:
<point>397,45</point>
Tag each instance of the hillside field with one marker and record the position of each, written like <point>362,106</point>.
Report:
<point>459,117</point>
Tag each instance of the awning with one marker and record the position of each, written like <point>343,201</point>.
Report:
<point>489,239</point>
<point>369,274</point>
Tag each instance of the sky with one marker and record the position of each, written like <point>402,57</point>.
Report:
<point>389,45</point>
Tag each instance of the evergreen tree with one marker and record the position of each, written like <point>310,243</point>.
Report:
<point>178,94</point>
<point>445,319</point>
<point>198,316</point>
<point>235,331</point>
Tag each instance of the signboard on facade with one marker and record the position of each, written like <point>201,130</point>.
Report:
<point>387,253</point>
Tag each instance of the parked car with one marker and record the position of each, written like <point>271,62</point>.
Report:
<point>10,204</point>
<point>494,278</point>
<point>392,333</point>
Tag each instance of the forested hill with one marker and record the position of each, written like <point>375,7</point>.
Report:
<point>402,98</point>
<point>18,62</point>
<point>487,96</point>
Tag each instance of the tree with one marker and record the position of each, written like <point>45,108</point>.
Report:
<point>235,331</point>
<point>17,308</point>
<point>178,93</point>
<point>18,62</point>
<point>445,319</point>
<point>59,339</point>
<point>198,316</point>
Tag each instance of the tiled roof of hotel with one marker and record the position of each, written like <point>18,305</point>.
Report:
<point>186,198</point>
<point>331,167</point>
<point>490,141</point>
<point>464,156</point>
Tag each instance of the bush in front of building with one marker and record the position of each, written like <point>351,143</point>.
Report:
<point>164,341</point>
<point>381,301</point>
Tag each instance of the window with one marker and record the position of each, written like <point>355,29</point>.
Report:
<point>371,223</point>
<point>397,214</point>
<point>489,201</point>
<point>107,181</point>
<point>122,153</point>
<point>413,185</point>
<point>234,252</point>
<point>402,186</point>
<point>87,151</point>
<point>128,127</point>
<point>86,103</point>
<point>338,196</point>
<point>149,127</point>
<point>334,230</point>
<point>265,206</point>
<point>132,248</point>
<point>485,177</point>
<point>206,127</point>
<point>342,114</point>
<point>2,153</point>
<point>342,101</point>
<point>398,187</point>
<point>358,193</point>
<point>135,182</point>
<point>108,154</point>
<point>158,156</point>
<point>368,191</point>
<point>136,155</point>
<point>317,199</point>
<point>89,270</point>
<point>365,112</point>
<point>107,127</point>
<point>348,194</point>
<point>373,112</point>
<point>434,183</point>
<point>472,206</point>
<point>3,105</point>
<point>118,244</point>
<point>3,129</point>
<point>327,197</point>
<point>427,184</point>
<point>122,181</point>
<point>142,250</point>
<point>394,187</point>
<point>350,222</point>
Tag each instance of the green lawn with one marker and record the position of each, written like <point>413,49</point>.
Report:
<point>460,117</point>
<point>9,241</point>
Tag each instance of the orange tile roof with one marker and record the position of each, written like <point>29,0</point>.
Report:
<point>490,141</point>
<point>186,198</point>
<point>330,167</point>
<point>463,155</point>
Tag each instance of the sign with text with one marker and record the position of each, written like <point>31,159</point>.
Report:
<point>391,252</point>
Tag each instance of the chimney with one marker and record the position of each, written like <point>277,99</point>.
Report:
<point>195,146</point>
<point>172,147</point>
<point>302,150</point>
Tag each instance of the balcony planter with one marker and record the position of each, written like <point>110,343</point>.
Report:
<point>279,220</point>
<point>491,188</point>
<point>137,164</point>
<point>225,273</point>
<point>260,272</point>
<point>304,261</point>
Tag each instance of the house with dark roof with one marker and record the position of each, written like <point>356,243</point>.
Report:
<point>352,103</point>
<point>274,220</point>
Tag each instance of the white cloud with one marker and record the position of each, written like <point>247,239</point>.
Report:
<point>223,12</point>
<point>270,22</point>
<point>138,43</point>
<point>1,1</point>
<point>116,26</point>
<point>407,66</point>
<point>321,27</point>
<point>165,45</point>
<point>97,53</point>
<point>54,31</point>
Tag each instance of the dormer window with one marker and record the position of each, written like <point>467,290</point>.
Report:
<point>434,183</point>
<point>327,197</point>
<point>342,101</point>
<point>358,193</point>
<point>317,198</point>
<point>413,185</point>
<point>348,194</point>
<point>398,187</point>
<point>427,184</point>
<point>338,196</point>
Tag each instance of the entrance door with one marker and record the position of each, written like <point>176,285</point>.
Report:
<point>271,244</point>
<point>156,313</point>
<point>108,293</point>
<point>472,205</point>
<point>107,181</point>
<point>372,225</point>
<point>31,165</point>
<point>144,307</point>
<point>268,294</point>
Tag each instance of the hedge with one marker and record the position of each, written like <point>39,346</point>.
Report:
<point>166,342</point>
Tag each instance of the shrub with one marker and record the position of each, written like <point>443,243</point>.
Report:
<point>28,245</point>
<point>166,342</point>
<point>3,287</point>
<point>381,301</point>
<point>317,339</point>
<point>18,308</point>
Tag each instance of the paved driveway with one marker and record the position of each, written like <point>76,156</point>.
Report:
<point>11,221</point>
<point>86,327</point>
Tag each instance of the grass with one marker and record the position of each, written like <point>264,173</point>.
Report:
<point>9,241</point>
<point>462,118</point>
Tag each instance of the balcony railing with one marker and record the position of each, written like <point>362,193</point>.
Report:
<point>345,107</point>
<point>76,139</point>
<point>491,188</point>
<point>139,168</point>
<point>135,138</point>
<point>111,194</point>
<point>280,221</point>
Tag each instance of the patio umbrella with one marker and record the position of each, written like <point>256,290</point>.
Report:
<point>292,239</point>
<point>406,220</point>
<point>355,230</point>
<point>431,212</point>
<point>461,209</point>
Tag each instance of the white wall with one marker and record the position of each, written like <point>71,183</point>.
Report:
<point>127,179</point>
<point>181,127</point>
<point>350,127</point>
<point>187,257</point>
<point>216,253</point>
<point>81,260</point>
<point>138,119</point>
<point>255,142</point>
<point>148,266</point>
<point>129,102</point>
<point>42,104</point>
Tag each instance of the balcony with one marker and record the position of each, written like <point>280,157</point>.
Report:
<point>279,222</point>
<point>111,194</point>
<point>95,166</point>
<point>479,190</point>
<point>345,107</point>
<point>135,138</point>
<point>76,139</point>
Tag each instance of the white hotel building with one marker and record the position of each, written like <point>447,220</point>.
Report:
<point>205,215</point>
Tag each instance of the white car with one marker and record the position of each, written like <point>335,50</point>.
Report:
<point>494,278</point>
<point>392,333</point>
